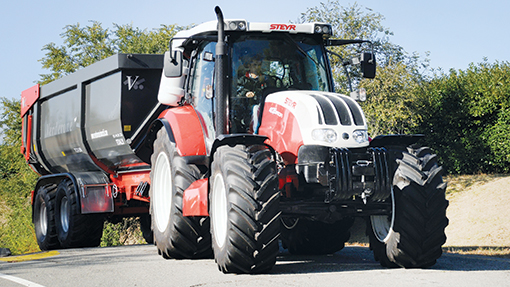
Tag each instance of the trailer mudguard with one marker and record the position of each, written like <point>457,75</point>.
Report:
<point>92,189</point>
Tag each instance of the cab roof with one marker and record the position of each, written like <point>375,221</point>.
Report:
<point>241,25</point>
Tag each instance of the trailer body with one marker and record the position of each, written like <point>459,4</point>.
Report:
<point>88,127</point>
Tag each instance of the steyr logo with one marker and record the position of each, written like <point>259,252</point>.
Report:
<point>282,27</point>
<point>134,83</point>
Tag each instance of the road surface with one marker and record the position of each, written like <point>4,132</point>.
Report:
<point>140,265</point>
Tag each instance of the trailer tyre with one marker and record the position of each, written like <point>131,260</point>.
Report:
<point>44,218</point>
<point>244,209</point>
<point>73,228</point>
<point>305,237</point>
<point>413,235</point>
<point>175,236</point>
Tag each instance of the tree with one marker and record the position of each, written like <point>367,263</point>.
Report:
<point>354,22</point>
<point>16,181</point>
<point>465,114</point>
<point>86,45</point>
<point>389,102</point>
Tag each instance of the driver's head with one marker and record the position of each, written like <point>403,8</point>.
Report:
<point>255,66</point>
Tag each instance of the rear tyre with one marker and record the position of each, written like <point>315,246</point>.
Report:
<point>145,226</point>
<point>176,236</point>
<point>74,229</point>
<point>44,218</point>
<point>306,237</point>
<point>413,235</point>
<point>245,214</point>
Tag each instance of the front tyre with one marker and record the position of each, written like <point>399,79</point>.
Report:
<point>176,236</point>
<point>413,234</point>
<point>245,214</point>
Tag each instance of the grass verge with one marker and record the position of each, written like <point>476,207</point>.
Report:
<point>501,252</point>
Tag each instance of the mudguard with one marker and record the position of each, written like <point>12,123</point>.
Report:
<point>184,129</point>
<point>92,189</point>
<point>195,200</point>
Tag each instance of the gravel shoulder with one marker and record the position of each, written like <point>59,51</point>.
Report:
<point>480,215</point>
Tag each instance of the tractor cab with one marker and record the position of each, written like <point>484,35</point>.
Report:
<point>261,59</point>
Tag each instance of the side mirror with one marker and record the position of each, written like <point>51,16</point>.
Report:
<point>368,65</point>
<point>172,66</point>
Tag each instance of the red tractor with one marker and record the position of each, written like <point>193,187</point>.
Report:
<point>249,146</point>
<point>271,152</point>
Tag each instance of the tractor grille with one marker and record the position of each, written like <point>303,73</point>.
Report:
<point>335,108</point>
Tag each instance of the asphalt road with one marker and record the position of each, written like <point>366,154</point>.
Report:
<point>141,266</point>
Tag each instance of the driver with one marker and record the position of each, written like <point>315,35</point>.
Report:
<point>251,81</point>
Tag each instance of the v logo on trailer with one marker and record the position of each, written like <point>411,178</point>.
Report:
<point>134,84</point>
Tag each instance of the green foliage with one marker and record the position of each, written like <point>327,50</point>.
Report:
<point>16,182</point>
<point>16,229</point>
<point>357,22</point>
<point>390,105</point>
<point>465,115</point>
<point>497,138</point>
<point>125,232</point>
<point>84,46</point>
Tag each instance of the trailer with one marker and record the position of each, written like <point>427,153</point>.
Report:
<point>83,134</point>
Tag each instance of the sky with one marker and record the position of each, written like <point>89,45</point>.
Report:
<point>455,33</point>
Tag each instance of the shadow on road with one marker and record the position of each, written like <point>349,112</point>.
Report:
<point>354,258</point>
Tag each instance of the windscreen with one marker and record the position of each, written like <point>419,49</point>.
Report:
<point>269,63</point>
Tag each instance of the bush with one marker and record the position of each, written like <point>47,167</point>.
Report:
<point>125,232</point>
<point>465,115</point>
<point>16,228</point>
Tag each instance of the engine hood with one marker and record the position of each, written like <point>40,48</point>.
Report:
<point>294,118</point>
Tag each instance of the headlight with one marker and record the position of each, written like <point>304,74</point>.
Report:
<point>235,25</point>
<point>324,135</point>
<point>360,136</point>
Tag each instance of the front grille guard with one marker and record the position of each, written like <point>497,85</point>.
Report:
<point>364,175</point>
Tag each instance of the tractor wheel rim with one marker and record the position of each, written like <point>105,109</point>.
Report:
<point>162,191</point>
<point>219,210</point>
<point>382,225</point>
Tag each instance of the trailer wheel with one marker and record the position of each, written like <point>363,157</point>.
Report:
<point>176,236</point>
<point>413,234</point>
<point>73,228</point>
<point>44,218</point>
<point>305,237</point>
<point>245,214</point>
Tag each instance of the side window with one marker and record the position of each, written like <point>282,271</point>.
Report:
<point>201,88</point>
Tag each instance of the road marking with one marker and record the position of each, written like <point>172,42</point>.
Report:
<point>28,257</point>
<point>19,281</point>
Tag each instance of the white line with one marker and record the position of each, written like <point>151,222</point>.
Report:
<point>20,281</point>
